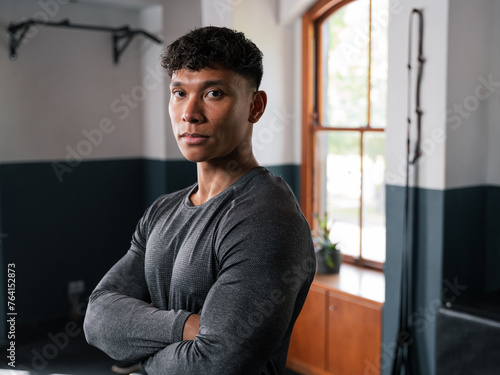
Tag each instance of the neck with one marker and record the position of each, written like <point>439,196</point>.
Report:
<point>215,177</point>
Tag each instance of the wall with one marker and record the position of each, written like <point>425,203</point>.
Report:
<point>38,122</point>
<point>276,139</point>
<point>493,175</point>
<point>61,207</point>
<point>428,174</point>
<point>467,141</point>
<point>457,193</point>
<point>471,251</point>
<point>493,172</point>
<point>468,100</point>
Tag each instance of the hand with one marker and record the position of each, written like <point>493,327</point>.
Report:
<point>191,327</point>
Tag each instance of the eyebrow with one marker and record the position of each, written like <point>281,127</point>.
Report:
<point>217,82</point>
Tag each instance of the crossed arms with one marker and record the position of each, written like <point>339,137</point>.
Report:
<point>247,315</point>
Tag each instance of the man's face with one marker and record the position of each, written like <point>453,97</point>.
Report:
<point>211,113</point>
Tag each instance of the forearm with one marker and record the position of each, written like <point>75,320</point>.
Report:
<point>239,332</point>
<point>207,356</point>
<point>130,329</point>
<point>120,320</point>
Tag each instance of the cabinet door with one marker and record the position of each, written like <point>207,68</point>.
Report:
<point>354,336</point>
<point>308,346</point>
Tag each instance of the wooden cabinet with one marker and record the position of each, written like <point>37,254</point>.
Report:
<point>354,335</point>
<point>337,332</point>
<point>307,347</point>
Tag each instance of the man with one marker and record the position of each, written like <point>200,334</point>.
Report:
<point>218,272</point>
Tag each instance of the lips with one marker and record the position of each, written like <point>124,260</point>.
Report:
<point>193,138</point>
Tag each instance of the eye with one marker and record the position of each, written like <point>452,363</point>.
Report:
<point>178,93</point>
<point>215,94</point>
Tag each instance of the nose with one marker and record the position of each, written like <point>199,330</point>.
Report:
<point>193,111</point>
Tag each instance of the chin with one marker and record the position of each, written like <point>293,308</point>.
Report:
<point>191,155</point>
<point>193,158</point>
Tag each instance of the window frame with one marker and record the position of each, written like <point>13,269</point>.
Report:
<point>312,110</point>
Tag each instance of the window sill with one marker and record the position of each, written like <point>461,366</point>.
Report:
<point>357,281</point>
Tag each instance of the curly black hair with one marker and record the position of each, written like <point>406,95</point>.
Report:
<point>208,46</point>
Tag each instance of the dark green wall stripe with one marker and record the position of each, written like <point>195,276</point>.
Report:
<point>458,252</point>
<point>180,174</point>
<point>426,268</point>
<point>471,252</point>
<point>465,239</point>
<point>492,226</point>
<point>3,290</point>
<point>167,176</point>
<point>155,180</point>
<point>291,174</point>
<point>69,230</point>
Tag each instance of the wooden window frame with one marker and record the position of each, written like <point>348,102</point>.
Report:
<point>311,111</point>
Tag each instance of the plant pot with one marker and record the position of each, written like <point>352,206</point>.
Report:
<point>322,267</point>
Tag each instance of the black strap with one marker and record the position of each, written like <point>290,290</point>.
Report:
<point>421,60</point>
<point>403,357</point>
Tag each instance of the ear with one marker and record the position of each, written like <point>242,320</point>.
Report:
<point>258,106</point>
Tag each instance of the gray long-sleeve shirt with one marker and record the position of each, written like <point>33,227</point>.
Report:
<point>244,260</point>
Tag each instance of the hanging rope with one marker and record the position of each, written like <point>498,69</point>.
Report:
<point>403,357</point>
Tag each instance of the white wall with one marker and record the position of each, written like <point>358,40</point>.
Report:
<point>461,113</point>
<point>64,82</point>
<point>179,18</point>
<point>291,10</point>
<point>154,114</point>
<point>468,100</point>
<point>432,164</point>
<point>493,171</point>
<point>277,135</point>
<point>217,13</point>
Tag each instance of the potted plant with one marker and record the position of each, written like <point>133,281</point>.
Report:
<point>328,254</point>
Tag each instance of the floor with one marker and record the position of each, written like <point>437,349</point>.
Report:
<point>58,349</point>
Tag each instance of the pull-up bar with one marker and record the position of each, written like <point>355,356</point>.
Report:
<point>19,30</point>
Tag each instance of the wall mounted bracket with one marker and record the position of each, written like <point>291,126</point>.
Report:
<point>122,36</point>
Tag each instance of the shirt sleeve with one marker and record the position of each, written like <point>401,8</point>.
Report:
<point>266,267</point>
<point>119,319</point>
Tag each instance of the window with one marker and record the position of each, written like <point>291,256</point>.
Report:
<point>344,118</point>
